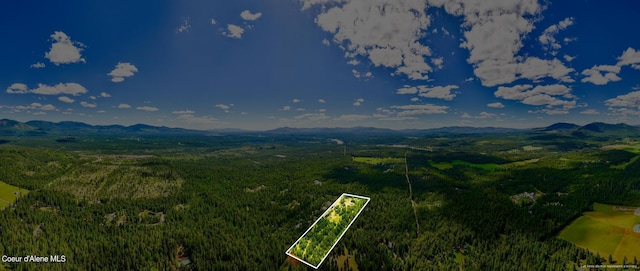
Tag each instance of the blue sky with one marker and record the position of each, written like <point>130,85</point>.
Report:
<point>321,63</point>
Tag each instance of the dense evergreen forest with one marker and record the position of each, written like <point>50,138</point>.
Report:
<point>238,202</point>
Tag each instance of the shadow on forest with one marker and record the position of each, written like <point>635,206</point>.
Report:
<point>374,178</point>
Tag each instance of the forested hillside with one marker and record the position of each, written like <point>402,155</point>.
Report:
<point>238,203</point>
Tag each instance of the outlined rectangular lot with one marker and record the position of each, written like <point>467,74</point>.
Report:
<point>315,244</point>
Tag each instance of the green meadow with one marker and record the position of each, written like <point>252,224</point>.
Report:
<point>9,194</point>
<point>606,231</point>
<point>448,165</point>
<point>378,161</point>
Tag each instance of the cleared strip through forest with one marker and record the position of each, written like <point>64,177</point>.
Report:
<point>413,203</point>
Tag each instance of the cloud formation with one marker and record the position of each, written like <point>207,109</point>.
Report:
<point>542,95</point>
<point>122,71</point>
<point>482,115</point>
<point>437,92</point>
<point>180,112</point>
<point>248,16</point>
<point>630,57</point>
<point>548,40</point>
<point>234,31</point>
<point>358,102</point>
<point>496,105</point>
<point>89,105</point>
<point>493,35</point>
<point>419,109</point>
<point>386,32</point>
<point>595,74</point>
<point>626,104</point>
<point>184,27</point>
<point>32,106</point>
<point>66,99</point>
<point>64,50</point>
<point>123,106</point>
<point>590,112</point>
<point>389,33</point>
<point>225,107</point>
<point>38,65</point>
<point>61,88</point>
<point>147,108</point>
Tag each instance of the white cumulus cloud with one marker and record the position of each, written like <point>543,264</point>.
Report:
<point>61,88</point>
<point>496,105</point>
<point>234,31</point>
<point>482,115</point>
<point>64,50</point>
<point>601,75</point>
<point>569,58</point>
<point>419,109</point>
<point>122,106</point>
<point>38,65</point>
<point>180,112</point>
<point>122,71</point>
<point>358,102</point>
<point>89,105</point>
<point>66,99</point>
<point>590,112</point>
<point>437,92</point>
<point>147,108</point>
<point>387,32</point>
<point>548,36</point>
<point>248,16</point>
<point>548,95</point>
<point>625,103</point>
<point>493,34</point>
<point>629,57</point>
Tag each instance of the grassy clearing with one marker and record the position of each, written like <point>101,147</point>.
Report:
<point>606,231</point>
<point>624,165</point>
<point>378,161</point>
<point>9,194</point>
<point>448,165</point>
<point>633,148</point>
<point>531,148</point>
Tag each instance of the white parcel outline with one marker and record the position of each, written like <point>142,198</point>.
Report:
<point>337,240</point>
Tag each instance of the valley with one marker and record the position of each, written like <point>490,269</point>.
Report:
<point>482,201</point>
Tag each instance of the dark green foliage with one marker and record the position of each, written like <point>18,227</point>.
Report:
<point>615,157</point>
<point>246,198</point>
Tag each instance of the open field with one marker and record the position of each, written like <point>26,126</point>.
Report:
<point>378,161</point>
<point>606,230</point>
<point>448,165</point>
<point>9,194</point>
<point>633,147</point>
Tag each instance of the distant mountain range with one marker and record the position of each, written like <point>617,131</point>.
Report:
<point>71,128</point>
<point>38,127</point>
